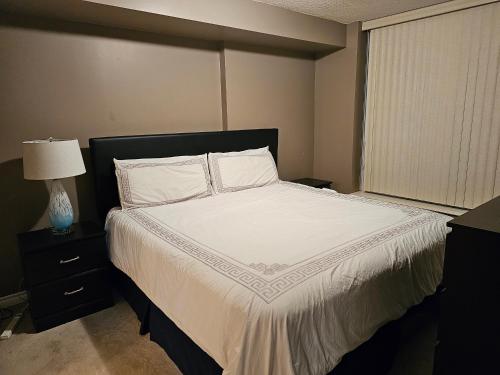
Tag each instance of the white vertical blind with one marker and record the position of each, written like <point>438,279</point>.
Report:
<point>433,108</point>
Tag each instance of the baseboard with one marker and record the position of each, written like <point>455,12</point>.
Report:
<point>13,299</point>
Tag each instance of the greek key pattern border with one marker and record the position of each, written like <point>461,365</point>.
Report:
<point>124,182</point>
<point>269,290</point>
<point>410,211</point>
<point>215,169</point>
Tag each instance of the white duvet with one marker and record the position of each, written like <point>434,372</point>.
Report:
<point>283,279</point>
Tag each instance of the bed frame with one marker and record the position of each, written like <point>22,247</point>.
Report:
<point>103,150</point>
<point>374,357</point>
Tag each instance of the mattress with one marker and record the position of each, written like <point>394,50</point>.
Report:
<point>281,279</point>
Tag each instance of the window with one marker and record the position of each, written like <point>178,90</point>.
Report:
<point>432,129</point>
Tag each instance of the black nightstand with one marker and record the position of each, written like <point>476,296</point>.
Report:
<point>320,184</point>
<point>66,276</point>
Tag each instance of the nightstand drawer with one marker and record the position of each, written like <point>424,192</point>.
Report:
<point>65,260</point>
<point>70,292</point>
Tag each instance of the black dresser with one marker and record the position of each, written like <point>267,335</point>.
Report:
<point>313,182</point>
<point>66,276</point>
<point>469,327</point>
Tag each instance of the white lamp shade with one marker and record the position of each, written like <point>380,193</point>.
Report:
<point>50,159</point>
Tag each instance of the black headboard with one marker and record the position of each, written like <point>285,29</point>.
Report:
<point>103,150</point>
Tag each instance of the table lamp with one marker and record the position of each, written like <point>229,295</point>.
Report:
<point>53,159</point>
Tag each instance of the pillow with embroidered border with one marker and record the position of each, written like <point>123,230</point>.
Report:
<point>152,182</point>
<point>234,171</point>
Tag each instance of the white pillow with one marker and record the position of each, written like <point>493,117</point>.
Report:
<point>151,182</point>
<point>233,171</point>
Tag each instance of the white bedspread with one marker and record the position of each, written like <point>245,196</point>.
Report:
<point>283,279</point>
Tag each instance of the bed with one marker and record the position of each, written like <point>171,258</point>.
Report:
<point>279,279</point>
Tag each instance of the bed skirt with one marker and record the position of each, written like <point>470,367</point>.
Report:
<point>374,357</point>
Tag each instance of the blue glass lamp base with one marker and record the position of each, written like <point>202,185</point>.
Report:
<point>60,210</point>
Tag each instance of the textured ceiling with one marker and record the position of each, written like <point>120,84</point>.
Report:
<point>347,11</point>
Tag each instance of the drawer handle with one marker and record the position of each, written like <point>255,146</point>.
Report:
<point>74,291</point>
<point>64,261</point>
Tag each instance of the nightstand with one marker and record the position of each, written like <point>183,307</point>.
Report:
<point>66,276</point>
<point>320,184</point>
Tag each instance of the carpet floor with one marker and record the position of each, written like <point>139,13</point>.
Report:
<point>108,343</point>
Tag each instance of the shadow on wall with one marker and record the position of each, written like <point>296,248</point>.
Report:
<point>85,193</point>
<point>22,205</point>
<point>22,208</point>
<point>36,23</point>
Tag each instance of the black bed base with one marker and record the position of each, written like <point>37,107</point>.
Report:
<point>374,357</point>
<point>188,356</point>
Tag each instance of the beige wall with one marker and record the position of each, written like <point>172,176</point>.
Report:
<point>243,15</point>
<point>267,91</point>
<point>339,93</point>
<point>80,81</point>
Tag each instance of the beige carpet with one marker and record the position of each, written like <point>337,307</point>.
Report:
<point>103,343</point>
<point>108,342</point>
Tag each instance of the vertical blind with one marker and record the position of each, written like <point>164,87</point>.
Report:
<point>432,124</point>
